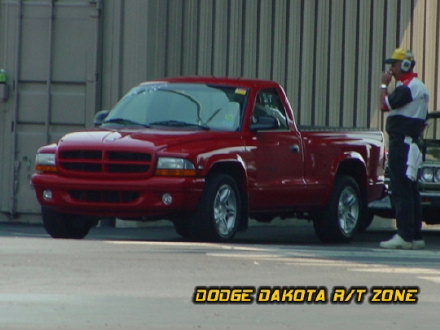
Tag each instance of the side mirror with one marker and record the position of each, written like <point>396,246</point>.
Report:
<point>265,123</point>
<point>100,117</point>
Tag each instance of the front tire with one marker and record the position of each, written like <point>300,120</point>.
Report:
<point>338,222</point>
<point>430,216</point>
<point>60,225</point>
<point>183,227</point>
<point>219,210</point>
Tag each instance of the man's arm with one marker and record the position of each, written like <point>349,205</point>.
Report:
<point>385,80</point>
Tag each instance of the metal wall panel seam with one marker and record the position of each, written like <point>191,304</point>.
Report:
<point>437,63</point>
<point>369,72</point>
<point>49,64</point>
<point>328,78</point>
<point>307,64</point>
<point>405,29</point>
<point>293,54</point>
<point>280,21</point>
<point>315,65</point>
<point>430,49</point>
<point>335,82</point>
<point>14,183</point>
<point>342,90</point>
<point>418,44</point>
<point>358,68</point>
<point>363,49</point>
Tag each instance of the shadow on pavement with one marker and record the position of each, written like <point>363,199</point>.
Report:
<point>284,232</point>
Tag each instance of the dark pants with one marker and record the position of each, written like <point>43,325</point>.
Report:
<point>405,195</point>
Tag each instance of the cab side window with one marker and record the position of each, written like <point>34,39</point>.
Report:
<point>268,104</point>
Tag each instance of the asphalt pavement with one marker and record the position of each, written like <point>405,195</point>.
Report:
<point>148,277</point>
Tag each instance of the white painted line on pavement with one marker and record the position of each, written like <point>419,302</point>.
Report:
<point>435,279</point>
<point>399,270</point>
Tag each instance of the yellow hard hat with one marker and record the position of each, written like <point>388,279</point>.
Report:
<point>400,54</point>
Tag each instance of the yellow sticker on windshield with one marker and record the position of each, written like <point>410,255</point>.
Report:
<point>240,91</point>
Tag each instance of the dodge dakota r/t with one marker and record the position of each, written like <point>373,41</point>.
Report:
<point>208,154</point>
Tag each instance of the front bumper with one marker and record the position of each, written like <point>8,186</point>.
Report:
<point>430,199</point>
<point>154,197</point>
<point>383,207</point>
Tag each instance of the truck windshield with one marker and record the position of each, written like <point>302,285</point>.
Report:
<point>180,105</point>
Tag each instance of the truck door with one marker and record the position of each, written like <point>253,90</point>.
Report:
<point>277,153</point>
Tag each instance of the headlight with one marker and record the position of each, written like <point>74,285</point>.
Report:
<point>173,166</point>
<point>437,175</point>
<point>430,174</point>
<point>45,163</point>
<point>427,174</point>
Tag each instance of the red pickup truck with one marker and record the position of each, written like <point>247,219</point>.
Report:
<point>208,154</point>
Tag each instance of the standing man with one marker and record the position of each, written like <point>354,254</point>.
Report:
<point>407,105</point>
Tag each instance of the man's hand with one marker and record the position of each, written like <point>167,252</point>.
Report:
<point>386,77</point>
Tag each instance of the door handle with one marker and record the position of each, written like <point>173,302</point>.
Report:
<point>294,148</point>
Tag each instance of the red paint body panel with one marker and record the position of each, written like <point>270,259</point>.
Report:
<point>275,178</point>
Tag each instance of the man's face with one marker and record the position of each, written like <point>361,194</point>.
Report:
<point>395,69</point>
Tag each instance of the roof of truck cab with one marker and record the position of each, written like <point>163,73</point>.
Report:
<point>242,82</point>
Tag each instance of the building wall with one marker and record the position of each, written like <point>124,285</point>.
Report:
<point>49,50</point>
<point>67,59</point>
<point>328,54</point>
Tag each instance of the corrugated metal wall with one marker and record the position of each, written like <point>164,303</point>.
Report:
<point>327,53</point>
<point>51,53</point>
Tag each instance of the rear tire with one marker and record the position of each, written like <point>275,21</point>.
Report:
<point>338,222</point>
<point>60,225</point>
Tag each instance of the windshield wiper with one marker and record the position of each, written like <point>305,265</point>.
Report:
<point>123,121</point>
<point>178,123</point>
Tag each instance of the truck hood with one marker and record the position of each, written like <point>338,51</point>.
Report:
<point>151,139</point>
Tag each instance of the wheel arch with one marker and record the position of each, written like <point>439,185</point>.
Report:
<point>236,170</point>
<point>355,168</point>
